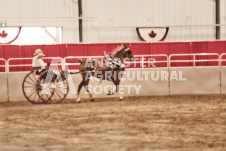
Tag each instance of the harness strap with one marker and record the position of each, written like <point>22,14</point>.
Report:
<point>36,68</point>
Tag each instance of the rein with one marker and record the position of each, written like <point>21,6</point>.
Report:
<point>93,71</point>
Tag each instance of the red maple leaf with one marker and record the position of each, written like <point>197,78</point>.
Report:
<point>3,34</point>
<point>152,34</point>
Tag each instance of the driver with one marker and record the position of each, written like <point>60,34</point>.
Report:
<point>38,64</point>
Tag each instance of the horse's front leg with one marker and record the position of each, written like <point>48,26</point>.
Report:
<point>87,90</point>
<point>117,90</point>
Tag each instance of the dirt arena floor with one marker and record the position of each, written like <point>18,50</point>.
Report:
<point>136,124</point>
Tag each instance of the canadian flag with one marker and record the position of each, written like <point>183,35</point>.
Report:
<point>9,34</point>
<point>152,34</point>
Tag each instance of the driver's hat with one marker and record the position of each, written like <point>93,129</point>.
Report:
<point>39,52</point>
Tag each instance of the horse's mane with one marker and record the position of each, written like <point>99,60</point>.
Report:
<point>117,50</point>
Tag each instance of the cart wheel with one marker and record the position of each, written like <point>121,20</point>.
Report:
<point>30,88</point>
<point>54,89</point>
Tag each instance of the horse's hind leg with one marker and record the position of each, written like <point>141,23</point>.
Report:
<point>79,89</point>
<point>117,90</point>
<point>87,90</point>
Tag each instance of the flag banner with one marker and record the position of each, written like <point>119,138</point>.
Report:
<point>9,34</point>
<point>152,34</point>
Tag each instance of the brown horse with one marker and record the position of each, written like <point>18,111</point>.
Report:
<point>111,71</point>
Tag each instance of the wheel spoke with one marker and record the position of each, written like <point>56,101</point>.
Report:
<point>31,79</point>
<point>30,83</point>
<point>35,96</point>
<point>60,91</point>
<point>30,90</point>
<point>58,95</point>
<point>28,86</point>
<point>54,99</point>
<point>62,88</point>
<point>44,97</point>
<point>31,94</point>
<point>34,76</point>
<point>39,99</point>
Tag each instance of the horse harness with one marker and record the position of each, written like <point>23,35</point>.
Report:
<point>111,61</point>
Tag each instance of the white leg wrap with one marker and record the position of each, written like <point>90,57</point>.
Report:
<point>78,99</point>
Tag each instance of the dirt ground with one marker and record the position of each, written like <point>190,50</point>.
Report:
<point>135,124</point>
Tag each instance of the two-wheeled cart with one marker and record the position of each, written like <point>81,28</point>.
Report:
<point>49,87</point>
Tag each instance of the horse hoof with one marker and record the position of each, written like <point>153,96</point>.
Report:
<point>120,98</point>
<point>78,100</point>
<point>92,100</point>
<point>109,93</point>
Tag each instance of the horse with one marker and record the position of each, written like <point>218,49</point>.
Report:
<point>111,71</point>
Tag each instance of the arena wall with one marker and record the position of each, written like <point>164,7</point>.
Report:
<point>223,80</point>
<point>147,85</point>
<point>197,80</point>
<point>4,87</point>
<point>15,81</point>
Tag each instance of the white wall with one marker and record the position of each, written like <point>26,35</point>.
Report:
<point>31,12</point>
<point>223,18</point>
<point>148,13</point>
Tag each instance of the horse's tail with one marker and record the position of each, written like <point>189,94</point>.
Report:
<point>80,60</point>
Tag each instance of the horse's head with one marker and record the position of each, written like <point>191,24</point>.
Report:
<point>128,53</point>
<point>123,52</point>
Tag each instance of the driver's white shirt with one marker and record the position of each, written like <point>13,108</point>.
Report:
<point>38,62</point>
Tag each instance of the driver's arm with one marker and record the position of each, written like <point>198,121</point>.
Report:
<point>42,63</point>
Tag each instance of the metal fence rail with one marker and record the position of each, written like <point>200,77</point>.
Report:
<point>4,65</point>
<point>194,59</point>
<point>58,61</point>
<point>70,63</point>
<point>152,60</point>
<point>141,61</point>
<point>222,60</point>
